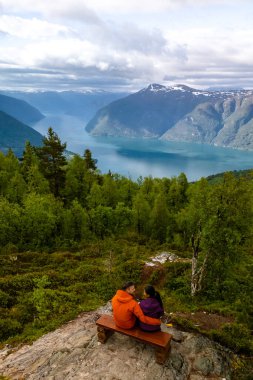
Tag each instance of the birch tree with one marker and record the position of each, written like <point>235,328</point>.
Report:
<point>217,223</point>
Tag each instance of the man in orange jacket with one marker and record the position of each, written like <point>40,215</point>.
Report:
<point>126,309</point>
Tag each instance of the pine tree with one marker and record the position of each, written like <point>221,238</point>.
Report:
<point>52,161</point>
<point>90,163</point>
<point>28,160</point>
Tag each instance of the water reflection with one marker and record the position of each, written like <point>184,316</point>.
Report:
<point>140,157</point>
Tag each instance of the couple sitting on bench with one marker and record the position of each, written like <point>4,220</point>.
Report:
<point>128,313</point>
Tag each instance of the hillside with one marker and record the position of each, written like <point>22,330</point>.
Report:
<point>14,134</point>
<point>19,109</point>
<point>180,113</point>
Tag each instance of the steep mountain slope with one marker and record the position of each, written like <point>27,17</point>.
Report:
<point>180,113</point>
<point>237,131</point>
<point>149,112</point>
<point>19,109</point>
<point>224,123</point>
<point>14,134</point>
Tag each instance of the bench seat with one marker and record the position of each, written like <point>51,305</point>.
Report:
<point>159,339</point>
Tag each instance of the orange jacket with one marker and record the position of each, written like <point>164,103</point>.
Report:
<point>126,309</point>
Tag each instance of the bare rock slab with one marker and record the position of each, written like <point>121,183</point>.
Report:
<point>73,352</point>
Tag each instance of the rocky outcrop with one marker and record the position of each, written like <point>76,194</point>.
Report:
<point>73,352</point>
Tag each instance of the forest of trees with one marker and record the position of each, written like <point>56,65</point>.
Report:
<point>64,227</point>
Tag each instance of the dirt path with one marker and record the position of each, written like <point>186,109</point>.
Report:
<point>203,320</point>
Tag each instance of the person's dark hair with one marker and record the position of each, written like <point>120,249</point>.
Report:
<point>127,285</point>
<point>151,292</point>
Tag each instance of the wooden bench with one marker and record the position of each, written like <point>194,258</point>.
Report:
<point>160,340</point>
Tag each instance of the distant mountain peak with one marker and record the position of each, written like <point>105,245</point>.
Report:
<point>182,87</point>
<point>155,87</point>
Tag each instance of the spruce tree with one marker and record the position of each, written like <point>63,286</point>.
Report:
<point>28,160</point>
<point>52,161</point>
<point>90,163</point>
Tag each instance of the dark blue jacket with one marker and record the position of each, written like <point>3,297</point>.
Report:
<point>152,308</point>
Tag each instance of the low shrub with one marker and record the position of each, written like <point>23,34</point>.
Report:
<point>9,327</point>
<point>5,299</point>
<point>235,336</point>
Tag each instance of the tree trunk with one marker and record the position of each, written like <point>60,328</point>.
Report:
<point>197,274</point>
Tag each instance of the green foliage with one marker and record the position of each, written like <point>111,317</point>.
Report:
<point>123,217</point>
<point>177,192</point>
<point>4,299</point>
<point>177,277</point>
<point>36,182</point>
<point>74,224</point>
<point>95,198</point>
<point>52,161</point>
<point>236,336</point>
<point>39,220</point>
<point>141,213</point>
<point>130,269</point>
<point>9,327</point>
<point>16,188</point>
<point>154,278</point>
<point>41,297</point>
<point>89,162</point>
<point>242,368</point>
<point>10,221</point>
<point>230,210</point>
<point>159,218</point>
<point>28,160</point>
<point>109,191</point>
<point>106,285</point>
<point>17,282</point>
<point>77,180</point>
<point>48,203</point>
<point>102,221</point>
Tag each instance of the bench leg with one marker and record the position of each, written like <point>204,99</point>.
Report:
<point>162,354</point>
<point>103,334</point>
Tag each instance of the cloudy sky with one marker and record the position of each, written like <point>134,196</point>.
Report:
<point>125,44</point>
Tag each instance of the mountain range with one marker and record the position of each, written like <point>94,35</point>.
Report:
<point>82,104</point>
<point>21,110</point>
<point>176,113</point>
<point>180,113</point>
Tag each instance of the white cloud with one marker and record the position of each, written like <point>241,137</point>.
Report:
<point>127,42</point>
<point>30,28</point>
<point>91,8</point>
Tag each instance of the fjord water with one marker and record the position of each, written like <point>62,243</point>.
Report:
<point>144,157</point>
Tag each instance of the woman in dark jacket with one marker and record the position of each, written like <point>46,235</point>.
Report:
<point>151,306</point>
